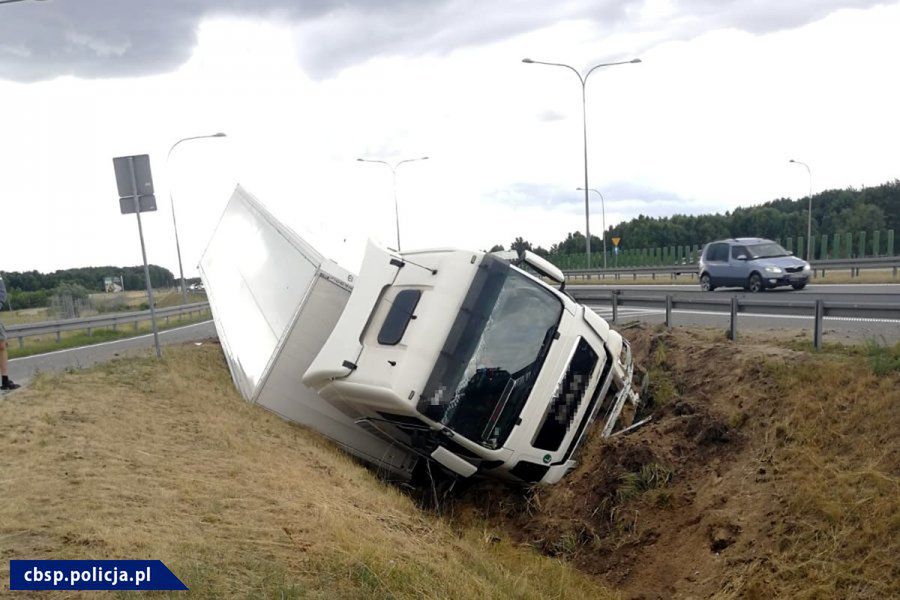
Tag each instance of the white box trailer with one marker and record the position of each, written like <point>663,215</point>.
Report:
<point>275,301</point>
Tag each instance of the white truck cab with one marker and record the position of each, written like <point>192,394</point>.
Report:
<point>467,360</point>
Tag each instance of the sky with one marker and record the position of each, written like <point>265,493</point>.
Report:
<point>727,92</point>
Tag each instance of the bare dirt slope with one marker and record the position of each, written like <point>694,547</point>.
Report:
<point>766,473</point>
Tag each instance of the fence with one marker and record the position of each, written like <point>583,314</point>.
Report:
<point>825,247</point>
<point>734,306</point>
<point>113,320</point>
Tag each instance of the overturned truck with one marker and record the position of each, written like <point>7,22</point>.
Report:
<point>464,360</point>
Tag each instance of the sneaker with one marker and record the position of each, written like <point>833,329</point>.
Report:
<point>10,386</point>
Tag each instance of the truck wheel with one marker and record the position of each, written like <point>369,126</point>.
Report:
<point>756,283</point>
<point>706,283</point>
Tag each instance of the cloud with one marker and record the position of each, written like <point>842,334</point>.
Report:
<point>105,38</point>
<point>537,195</point>
<point>550,115</point>
<point>620,197</point>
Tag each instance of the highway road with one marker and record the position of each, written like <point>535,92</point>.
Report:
<point>21,370</point>
<point>836,328</point>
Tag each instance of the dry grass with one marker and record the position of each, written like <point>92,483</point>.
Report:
<point>837,444</point>
<point>140,459</point>
<point>24,315</point>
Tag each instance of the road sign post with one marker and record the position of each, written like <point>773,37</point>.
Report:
<point>130,170</point>
<point>615,242</point>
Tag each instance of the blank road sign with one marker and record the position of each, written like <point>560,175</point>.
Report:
<point>146,204</point>
<point>142,175</point>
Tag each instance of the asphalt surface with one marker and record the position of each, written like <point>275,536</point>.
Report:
<point>21,370</point>
<point>836,328</point>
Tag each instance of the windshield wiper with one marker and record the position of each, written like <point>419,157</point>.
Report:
<point>498,410</point>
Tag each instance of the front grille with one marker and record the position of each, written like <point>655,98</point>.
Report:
<point>368,426</point>
<point>793,269</point>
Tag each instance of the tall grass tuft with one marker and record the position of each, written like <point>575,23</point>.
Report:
<point>883,359</point>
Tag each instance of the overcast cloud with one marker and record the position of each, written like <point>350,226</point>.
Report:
<point>103,38</point>
<point>727,93</point>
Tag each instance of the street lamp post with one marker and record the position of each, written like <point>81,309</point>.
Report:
<point>172,205</point>
<point>603,213</point>
<point>393,169</point>
<point>809,215</point>
<point>583,80</point>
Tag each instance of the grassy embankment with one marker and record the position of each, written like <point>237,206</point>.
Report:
<point>767,472</point>
<point>147,459</point>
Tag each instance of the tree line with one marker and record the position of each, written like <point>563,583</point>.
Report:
<point>31,289</point>
<point>849,210</point>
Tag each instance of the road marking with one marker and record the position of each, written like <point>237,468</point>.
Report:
<point>137,337</point>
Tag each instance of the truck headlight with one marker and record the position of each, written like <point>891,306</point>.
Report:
<point>773,269</point>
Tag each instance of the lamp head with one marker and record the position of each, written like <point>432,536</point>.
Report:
<point>220,134</point>
<point>636,60</point>
<point>527,60</point>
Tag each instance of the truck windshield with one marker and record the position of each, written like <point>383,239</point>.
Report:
<point>492,355</point>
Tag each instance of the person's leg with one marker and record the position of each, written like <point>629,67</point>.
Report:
<point>4,359</point>
<point>5,383</point>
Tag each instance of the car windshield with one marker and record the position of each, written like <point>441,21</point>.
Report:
<point>766,250</point>
<point>492,355</point>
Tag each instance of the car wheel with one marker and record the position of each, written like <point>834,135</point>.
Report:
<point>756,283</point>
<point>706,283</point>
<point>798,286</point>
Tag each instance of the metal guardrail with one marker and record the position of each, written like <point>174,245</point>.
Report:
<point>100,321</point>
<point>853,264</point>
<point>817,309</point>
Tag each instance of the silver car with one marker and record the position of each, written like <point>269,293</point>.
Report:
<point>754,264</point>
